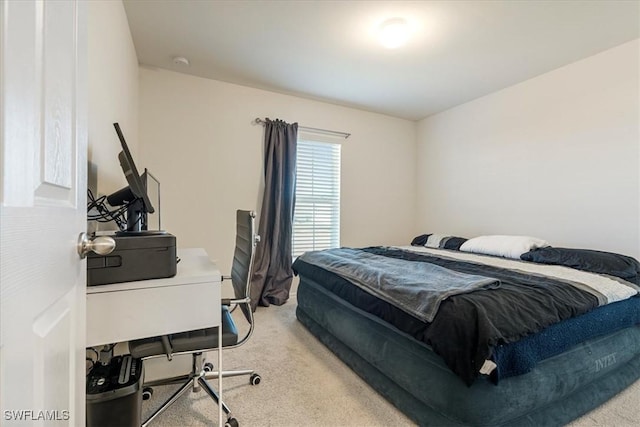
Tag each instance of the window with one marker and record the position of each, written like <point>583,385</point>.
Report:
<point>316,220</point>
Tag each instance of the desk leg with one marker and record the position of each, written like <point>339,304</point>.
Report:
<point>220,376</point>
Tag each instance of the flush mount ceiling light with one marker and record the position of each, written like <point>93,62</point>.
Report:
<point>394,33</point>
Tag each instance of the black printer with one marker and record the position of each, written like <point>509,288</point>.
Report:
<point>137,256</point>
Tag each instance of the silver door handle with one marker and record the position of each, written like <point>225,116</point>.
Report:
<point>101,245</point>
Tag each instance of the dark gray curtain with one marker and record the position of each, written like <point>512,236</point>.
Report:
<point>272,263</point>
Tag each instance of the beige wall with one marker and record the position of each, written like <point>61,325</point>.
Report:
<point>557,157</point>
<point>197,137</point>
<point>113,93</point>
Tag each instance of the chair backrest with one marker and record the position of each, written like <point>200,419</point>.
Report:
<point>246,240</point>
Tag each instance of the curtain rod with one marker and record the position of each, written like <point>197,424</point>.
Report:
<point>345,135</point>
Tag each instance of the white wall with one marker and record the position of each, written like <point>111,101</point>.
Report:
<point>113,93</point>
<point>557,157</point>
<point>197,137</point>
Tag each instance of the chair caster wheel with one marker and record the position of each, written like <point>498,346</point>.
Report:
<point>255,379</point>
<point>147,392</point>
<point>208,367</point>
<point>231,422</point>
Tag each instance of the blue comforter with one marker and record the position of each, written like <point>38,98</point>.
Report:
<point>521,356</point>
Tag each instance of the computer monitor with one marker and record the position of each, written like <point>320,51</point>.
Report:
<point>152,185</point>
<point>134,196</point>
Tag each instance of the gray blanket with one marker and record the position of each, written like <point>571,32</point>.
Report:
<point>418,290</point>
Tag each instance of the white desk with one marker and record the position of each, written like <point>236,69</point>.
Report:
<point>190,300</point>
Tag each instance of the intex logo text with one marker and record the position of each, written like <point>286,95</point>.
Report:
<point>36,415</point>
<point>605,362</point>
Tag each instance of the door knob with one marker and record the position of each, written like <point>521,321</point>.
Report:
<point>101,245</point>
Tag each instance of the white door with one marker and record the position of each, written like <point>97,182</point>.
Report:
<point>43,145</point>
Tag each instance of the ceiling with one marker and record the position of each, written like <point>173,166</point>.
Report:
<point>327,50</point>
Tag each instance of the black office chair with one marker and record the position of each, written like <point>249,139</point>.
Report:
<point>199,341</point>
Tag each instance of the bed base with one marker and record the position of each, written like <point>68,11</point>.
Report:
<point>415,380</point>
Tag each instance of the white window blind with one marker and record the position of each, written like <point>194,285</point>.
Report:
<point>316,220</point>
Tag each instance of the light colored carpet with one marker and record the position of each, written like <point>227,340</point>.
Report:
<point>304,384</point>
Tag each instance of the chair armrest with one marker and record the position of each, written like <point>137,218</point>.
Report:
<point>229,301</point>
<point>166,345</point>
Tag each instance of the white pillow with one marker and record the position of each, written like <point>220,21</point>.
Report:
<point>504,246</point>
